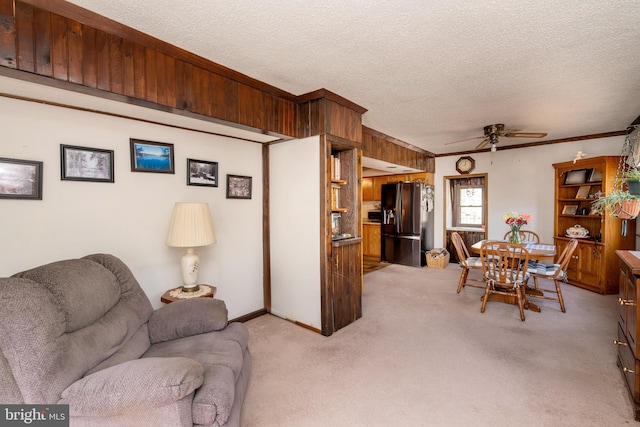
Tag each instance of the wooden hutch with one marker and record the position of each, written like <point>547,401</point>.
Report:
<point>594,265</point>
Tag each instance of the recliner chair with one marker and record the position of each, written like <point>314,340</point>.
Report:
<point>82,332</point>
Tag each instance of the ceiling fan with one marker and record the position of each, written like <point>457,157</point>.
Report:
<point>492,132</point>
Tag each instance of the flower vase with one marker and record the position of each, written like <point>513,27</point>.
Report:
<point>514,237</point>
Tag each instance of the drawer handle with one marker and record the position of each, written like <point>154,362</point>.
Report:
<point>619,342</point>
<point>626,301</point>
<point>628,371</point>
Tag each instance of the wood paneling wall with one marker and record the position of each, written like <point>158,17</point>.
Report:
<point>383,147</point>
<point>65,43</point>
<point>323,112</point>
<point>61,41</point>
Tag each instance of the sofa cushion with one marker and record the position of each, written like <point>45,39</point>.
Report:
<point>133,385</point>
<point>187,317</point>
<point>221,353</point>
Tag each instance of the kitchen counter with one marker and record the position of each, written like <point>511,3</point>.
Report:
<point>367,222</point>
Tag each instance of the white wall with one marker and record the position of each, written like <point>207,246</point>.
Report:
<point>520,180</point>
<point>295,230</point>
<point>130,217</point>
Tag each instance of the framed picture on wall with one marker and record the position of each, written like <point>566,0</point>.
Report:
<point>86,164</point>
<point>20,179</point>
<point>202,172</point>
<point>149,156</point>
<point>238,187</point>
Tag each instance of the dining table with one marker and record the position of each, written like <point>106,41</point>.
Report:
<point>537,252</point>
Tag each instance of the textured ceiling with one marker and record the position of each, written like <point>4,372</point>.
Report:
<point>427,71</point>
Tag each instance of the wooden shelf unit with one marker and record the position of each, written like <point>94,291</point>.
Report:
<point>594,265</point>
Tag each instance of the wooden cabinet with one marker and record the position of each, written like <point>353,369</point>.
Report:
<point>372,185</point>
<point>594,265</point>
<point>377,186</point>
<point>628,362</point>
<point>346,278</point>
<point>367,189</point>
<point>426,177</point>
<point>371,244</point>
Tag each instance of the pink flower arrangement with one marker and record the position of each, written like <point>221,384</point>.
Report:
<point>516,219</point>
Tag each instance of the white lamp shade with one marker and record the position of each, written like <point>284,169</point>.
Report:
<point>190,226</point>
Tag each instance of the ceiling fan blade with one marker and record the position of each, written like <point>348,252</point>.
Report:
<point>463,140</point>
<point>482,144</point>
<point>524,135</point>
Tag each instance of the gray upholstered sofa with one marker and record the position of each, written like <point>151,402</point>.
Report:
<point>82,332</point>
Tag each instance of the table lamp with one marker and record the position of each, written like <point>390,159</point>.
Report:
<point>190,227</point>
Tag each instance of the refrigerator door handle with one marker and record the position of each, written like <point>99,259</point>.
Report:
<point>398,207</point>
<point>399,236</point>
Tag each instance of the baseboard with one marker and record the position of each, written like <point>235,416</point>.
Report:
<point>250,316</point>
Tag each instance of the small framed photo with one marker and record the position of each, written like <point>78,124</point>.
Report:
<point>86,164</point>
<point>583,192</point>
<point>578,176</point>
<point>149,156</point>
<point>594,175</point>
<point>20,179</point>
<point>202,172</point>
<point>238,187</point>
<point>570,210</point>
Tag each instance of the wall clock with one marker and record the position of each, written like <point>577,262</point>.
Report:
<point>465,164</point>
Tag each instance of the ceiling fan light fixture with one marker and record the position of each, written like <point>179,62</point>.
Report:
<point>494,148</point>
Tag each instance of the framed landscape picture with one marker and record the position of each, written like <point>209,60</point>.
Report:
<point>149,156</point>
<point>86,164</point>
<point>238,187</point>
<point>20,179</point>
<point>202,172</point>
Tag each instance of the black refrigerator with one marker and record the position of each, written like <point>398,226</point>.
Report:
<point>407,222</point>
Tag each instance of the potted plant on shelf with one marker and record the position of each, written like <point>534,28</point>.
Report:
<point>618,203</point>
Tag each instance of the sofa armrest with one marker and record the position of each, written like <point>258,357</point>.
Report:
<point>186,318</point>
<point>133,385</point>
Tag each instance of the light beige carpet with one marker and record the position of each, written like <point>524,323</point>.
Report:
<point>423,355</point>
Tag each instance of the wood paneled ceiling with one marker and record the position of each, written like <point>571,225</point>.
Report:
<point>428,72</point>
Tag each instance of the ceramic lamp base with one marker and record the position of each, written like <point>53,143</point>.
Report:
<point>190,264</point>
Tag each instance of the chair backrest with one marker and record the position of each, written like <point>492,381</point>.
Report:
<point>525,236</point>
<point>504,263</point>
<point>565,256</point>
<point>461,248</point>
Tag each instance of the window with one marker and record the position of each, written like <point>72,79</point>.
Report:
<point>468,199</point>
<point>470,207</point>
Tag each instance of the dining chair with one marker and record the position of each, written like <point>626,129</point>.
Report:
<point>505,272</point>
<point>467,263</point>
<point>526,236</point>
<point>555,273</point>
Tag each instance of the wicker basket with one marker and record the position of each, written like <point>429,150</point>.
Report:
<point>437,258</point>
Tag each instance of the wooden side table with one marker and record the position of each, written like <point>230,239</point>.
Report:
<point>175,294</point>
